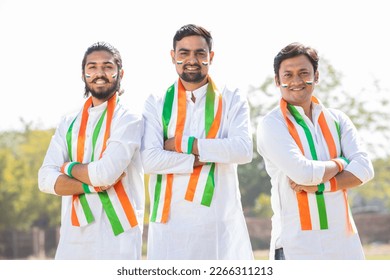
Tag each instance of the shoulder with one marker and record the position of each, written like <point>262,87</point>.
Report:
<point>128,116</point>
<point>339,115</point>
<point>155,99</point>
<point>271,119</point>
<point>233,97</point>
<point>67,119</point>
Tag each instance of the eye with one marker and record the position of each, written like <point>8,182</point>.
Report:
<point>201,54</point>
<point>183,53</point>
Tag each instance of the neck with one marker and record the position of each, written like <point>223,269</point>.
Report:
<point>308,111</point>
<point>97,101</point>
<point>194,86</point>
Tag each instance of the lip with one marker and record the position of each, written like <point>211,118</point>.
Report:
<point>192,69</point>
<point>297,89</point>
<point>100,82</point>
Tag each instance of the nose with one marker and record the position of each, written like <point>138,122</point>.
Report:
<point>192,59</point>
<point>100,72</point>
<point>296,79</point>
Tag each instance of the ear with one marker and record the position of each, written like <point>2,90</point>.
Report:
<point>211,57</point>
<point>173,56</point>
<point>316,76</point>
<point>277,82</point>
<point>83,77</point>
<point>121,73</point>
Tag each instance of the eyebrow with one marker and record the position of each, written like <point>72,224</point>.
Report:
<point>105,62</point>
<point>300,69</point>
<point>188,50</point>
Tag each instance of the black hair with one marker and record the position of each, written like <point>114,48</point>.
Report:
<point>193,30</point>
<point>103,46</point>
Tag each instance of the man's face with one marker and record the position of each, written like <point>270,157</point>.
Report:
<point>192,59</point>
<point>297,80</point>
<point>101,75</point>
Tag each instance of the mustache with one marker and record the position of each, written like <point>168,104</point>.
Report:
<point>100,78</point>
<point>191,65</point>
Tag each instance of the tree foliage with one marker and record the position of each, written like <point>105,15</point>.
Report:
<point>21,203</point>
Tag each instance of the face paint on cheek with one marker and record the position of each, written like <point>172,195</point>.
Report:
<point>114,75</point>
<point>309,83</point>
<point>284,85</point>
<point>205,63</point>
<point>87,76</point>
<point>179,62</point>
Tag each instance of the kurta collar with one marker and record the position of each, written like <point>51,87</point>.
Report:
<point>316,110</point>
<point>198,93</point>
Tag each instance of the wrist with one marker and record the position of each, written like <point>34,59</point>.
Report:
<point>67,167</point>
<point>341,162</point>
<point>195,150</point>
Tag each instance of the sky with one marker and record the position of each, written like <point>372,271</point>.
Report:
<point>43,43</point>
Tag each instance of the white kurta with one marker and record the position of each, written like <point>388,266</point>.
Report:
<point>194,231</point>
<point>122,154</point>
<point>283,159</point>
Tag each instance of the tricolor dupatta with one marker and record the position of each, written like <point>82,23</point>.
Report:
<point>312,207</point>
<point>115,200</point>
<point>201,182</point>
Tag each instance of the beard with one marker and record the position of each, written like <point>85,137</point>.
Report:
<point>192,77</point>
<point>104,94</point>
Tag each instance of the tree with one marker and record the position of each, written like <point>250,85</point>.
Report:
<point>375,194</point>
<point>21,203</point>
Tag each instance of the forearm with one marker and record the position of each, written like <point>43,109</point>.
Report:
<point>346,180</point>
<point>68,186</point>
<point>80,172</point>
<point>331,170</point>
<point>228,150</point>
<point>157,161</point>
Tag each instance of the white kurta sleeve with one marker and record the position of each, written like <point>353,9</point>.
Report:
<point>55,156</point>
<point>235,146</point>
<point>123,143</point>
<point>275,143</point>
<point>359,163</point>
<point>154,158</point>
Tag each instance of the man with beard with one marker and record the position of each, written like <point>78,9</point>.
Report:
<point>195,136</point>
<point>93,162</point>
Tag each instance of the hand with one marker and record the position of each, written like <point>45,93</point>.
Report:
<point>169,144</point>
<point>197,162</point>
<point>299,188</point>
<point>104,188</point>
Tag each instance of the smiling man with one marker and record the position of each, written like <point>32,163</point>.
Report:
<point>313,156</point>
<point>195,136</point>
<point>93,162</point>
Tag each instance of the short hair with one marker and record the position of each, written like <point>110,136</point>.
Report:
<point>102,46</point>
<point>293,50</point>
<point>192,30</point>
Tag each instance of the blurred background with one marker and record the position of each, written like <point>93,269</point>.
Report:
<point>42,45</point>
